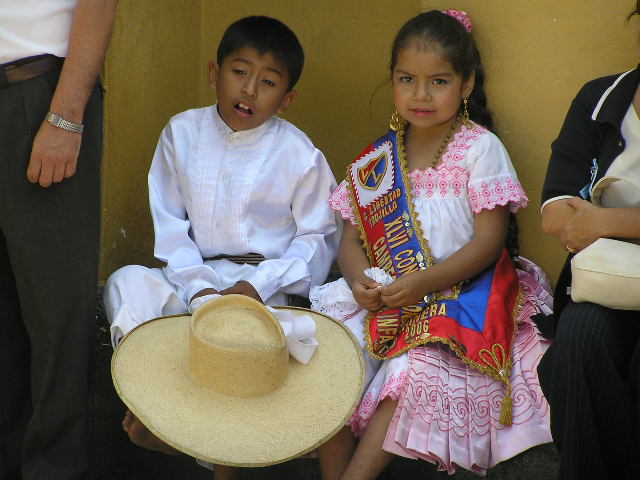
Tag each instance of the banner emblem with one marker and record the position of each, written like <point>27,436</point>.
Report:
<point>371,175</point>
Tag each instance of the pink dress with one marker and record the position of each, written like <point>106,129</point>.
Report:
<point>448,413</point>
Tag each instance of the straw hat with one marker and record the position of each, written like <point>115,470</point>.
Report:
<point>221,387</point>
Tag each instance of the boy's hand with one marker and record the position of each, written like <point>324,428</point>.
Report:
<point>366,292</point>
<point>203,292</point>
<point>242,288</point>
<point>406,290</point>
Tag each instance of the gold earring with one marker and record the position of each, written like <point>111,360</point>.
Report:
<point>396,122</point>
<point>465,114</point>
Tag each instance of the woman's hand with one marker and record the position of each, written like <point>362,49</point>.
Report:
<point>406,290</point>
<point>584,227</point>
<point>366,292</point>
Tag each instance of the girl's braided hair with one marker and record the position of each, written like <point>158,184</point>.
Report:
<point>452,39</point>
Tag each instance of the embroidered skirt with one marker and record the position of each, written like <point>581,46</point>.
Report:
<point>448,413</point>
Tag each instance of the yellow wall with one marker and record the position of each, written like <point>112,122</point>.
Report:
<point>536,53</point>
<point>151,73</point>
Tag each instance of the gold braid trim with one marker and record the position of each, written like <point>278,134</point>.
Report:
<point>354,208</point>
<point>487,367</point>
<point>402,161</point>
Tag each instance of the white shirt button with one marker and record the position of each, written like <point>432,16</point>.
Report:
<point>217,224</point>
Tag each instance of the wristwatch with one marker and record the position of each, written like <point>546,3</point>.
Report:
<point>58,121</point>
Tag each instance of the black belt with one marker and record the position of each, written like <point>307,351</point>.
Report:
<point>27,68</point>
<point>250,258</point>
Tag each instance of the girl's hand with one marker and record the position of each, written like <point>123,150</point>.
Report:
<point>406,290</point>
<point>584,227</point>
<point>366,292</point>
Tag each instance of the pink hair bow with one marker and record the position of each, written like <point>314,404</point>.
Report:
<point>461,16</point>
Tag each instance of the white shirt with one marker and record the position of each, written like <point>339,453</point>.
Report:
<point>624,194</point>
<point>34,27</point>
<point>214,191</point>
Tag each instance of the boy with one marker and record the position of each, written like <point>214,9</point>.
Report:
<point>238,196</point>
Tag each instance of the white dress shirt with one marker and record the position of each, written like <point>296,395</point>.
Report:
<point>625,194</point>
<point>34,27</point>
<point>214,191</point>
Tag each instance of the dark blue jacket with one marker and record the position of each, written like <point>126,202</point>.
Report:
<point>591,130</point>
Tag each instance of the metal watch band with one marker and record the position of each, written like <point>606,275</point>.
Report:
<point>58,121</point>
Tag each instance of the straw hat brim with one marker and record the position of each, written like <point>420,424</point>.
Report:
<point>151,375</point>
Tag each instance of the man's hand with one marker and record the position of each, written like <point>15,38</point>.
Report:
<point>366,292</point>
<point>242,288</point>
<point>54,155</point>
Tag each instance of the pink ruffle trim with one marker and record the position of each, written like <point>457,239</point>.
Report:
<point>392,388</point>
<point>500,191</point>
<point>341,202</point>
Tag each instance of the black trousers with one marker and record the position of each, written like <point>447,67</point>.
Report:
<point>48,272</point>
<point>591,377</point>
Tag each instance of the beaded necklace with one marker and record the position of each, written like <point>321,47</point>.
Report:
<point>445,142</point>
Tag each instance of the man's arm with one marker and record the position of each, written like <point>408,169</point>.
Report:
<point>54,155</point>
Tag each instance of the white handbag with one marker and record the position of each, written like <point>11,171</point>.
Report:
<point>607,272</point>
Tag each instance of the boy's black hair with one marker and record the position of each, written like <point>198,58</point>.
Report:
<point>265,34</point>
<point>438,30</point>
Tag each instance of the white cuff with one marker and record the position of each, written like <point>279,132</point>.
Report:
<point>555,199</point>
<point>266,288</point>
<point>198,302</point>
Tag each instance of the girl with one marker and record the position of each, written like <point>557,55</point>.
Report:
<point>452,352</point>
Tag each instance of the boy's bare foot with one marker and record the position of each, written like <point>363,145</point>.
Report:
<point>223,472</point>
<point>141,436</point>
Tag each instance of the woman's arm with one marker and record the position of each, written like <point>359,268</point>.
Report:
<point>574,153</point>
<point>485,248</point>
<point>573,165</point>
<point>555,216</point>
<point>590,222</point>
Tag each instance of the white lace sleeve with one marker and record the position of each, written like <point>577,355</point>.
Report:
<point>334,299</point>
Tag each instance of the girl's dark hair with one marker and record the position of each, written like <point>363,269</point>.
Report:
<point>440,31</point>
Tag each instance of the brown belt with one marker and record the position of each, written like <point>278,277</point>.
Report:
<point>20,71</point>
<point>255,259</point>
<point>250,258</point>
